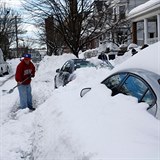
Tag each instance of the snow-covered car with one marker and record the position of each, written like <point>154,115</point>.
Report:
<point>66,73</point>
<point>103,64</point>
<point>139,83</point>
<point>139,77</point>
<point>4,68</point>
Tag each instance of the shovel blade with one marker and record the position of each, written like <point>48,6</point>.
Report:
<point>10,91</point>
<point>7,92</point>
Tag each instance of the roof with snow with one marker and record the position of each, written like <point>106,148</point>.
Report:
<point>148,9</point>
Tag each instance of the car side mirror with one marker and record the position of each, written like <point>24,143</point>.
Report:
<point>84,91</point>
<point>57,70</point>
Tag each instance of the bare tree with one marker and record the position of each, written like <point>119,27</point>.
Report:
<point>74,20</point>
<point>75,23</point>
<point>10,27</point>
<point>120,33</point>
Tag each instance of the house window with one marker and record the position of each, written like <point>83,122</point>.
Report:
<point>151,35</point>
<point>122,12</point>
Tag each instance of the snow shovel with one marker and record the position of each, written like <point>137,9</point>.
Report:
<point>11,90</point>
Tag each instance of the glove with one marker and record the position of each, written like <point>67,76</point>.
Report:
<point>19,83</point>
<point>32,75</point>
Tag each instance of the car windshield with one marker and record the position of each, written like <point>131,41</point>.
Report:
<point>82,64</point>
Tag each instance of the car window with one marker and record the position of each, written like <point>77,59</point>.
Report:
<point>115,80</point>
<point>149,97</point>
<point>133,86</point>
<point>83,64</point>
<point>130,84</point>
<point>67,67</point>
<point>136,87</point>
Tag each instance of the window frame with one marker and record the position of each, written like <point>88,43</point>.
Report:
<point>146,83</point>
<point>128,74</point>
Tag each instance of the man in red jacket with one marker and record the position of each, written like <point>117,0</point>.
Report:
<point>25,70</point>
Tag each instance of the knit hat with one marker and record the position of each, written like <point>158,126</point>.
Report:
<point>27,56</point>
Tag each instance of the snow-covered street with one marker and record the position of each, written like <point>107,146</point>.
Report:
<point>65,126</point>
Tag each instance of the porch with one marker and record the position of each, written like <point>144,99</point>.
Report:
<point>146,23</point>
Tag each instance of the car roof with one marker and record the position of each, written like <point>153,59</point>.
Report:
<point>141,72</point>
<point>145,74</point>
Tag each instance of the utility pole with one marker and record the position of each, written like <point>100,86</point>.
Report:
<point>16,36</point>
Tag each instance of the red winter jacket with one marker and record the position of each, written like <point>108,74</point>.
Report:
<point>23,71</point>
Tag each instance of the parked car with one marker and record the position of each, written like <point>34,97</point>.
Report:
<point>4,67</point>
<point>104,61</point>
<point>139,83</point>
<point>103,64</point>
<point>66,73</point>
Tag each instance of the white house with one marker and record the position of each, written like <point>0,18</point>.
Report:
<point>119,11</point>
<point>146,22</point>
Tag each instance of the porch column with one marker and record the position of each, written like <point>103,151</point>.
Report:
<point>134,32</point>
<point>145,31</point>
<point>158,26</point>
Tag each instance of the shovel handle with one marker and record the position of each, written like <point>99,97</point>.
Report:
<point>11,90</point>
<point>26,79</point>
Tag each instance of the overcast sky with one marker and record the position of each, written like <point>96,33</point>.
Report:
<point>17,5</point>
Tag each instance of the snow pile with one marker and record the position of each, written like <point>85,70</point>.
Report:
<point>66,126</point>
